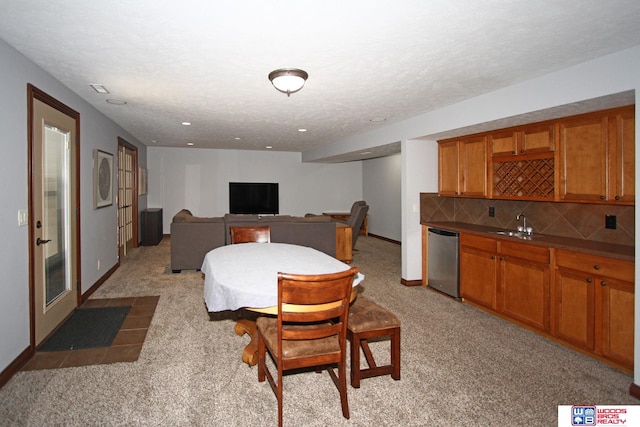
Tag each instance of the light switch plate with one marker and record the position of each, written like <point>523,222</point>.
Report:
<point>23,218</point>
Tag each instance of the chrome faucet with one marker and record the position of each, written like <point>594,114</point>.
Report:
<point>523,228</point>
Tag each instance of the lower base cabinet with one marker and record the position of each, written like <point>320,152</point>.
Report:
<point>523,290</point>
<point>478,271</point>
<point>507,277</point>
<point>584,300</point>
<point>593,305</point>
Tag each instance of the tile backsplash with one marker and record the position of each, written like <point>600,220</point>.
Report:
<point>577,220</point>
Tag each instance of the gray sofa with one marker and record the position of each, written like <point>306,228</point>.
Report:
<point>192,237</point>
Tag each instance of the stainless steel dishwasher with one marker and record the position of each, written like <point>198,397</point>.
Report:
<point>443,263</point>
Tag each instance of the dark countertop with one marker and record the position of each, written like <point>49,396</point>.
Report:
<point>611,250</point>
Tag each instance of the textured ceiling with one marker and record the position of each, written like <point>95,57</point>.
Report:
<point>207,62</point>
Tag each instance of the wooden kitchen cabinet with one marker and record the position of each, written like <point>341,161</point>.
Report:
<point>592,303</point>
<point>531,139</point>
<point>448,169</point>
<point>583,159</point>
<point>583,300</point>
<point>508,277</point>
<point>597,157</point>
<point>462,167</point>
<point>588,158</point>
<point>478,272</point>
<point>623,155</point>
<point>523,283</point>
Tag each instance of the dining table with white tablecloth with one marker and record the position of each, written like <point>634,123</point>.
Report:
<point>245,276</point>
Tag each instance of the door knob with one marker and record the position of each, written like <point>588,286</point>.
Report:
<point>39,241</point>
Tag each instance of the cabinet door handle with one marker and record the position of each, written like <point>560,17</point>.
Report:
<point>617,197</point>
<point>492,257</point>
<point>603,283</point>
<point>501,259</point>
<point>589,280</point>
<point>596,267</point>
<point>602,197</point>
<point>513,152</point>
<point>522,151</point>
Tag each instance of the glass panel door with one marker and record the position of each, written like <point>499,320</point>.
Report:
<point>56,236</point>
<point>54,215</point>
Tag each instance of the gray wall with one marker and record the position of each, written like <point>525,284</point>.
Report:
<point>98,227</point>
<point>381,188</point>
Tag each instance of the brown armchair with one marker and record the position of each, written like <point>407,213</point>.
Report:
<point>358,212</point>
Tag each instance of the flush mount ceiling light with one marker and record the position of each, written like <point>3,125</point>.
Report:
<point>99,88</point>
<point>116,101</point>
<point>288,80</point>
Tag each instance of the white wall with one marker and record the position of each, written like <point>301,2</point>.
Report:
<point>198,180</point>
<point>381,189</point>
<point>98,227</point>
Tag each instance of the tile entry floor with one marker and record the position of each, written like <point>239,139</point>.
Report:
<point>125,347</point>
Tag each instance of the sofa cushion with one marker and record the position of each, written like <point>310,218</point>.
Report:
<point>241,218</point>
<point>276,218</point>
<point>205,219</point>
<point>316,218</point>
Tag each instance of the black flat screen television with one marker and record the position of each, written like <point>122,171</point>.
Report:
<point>257,198</point>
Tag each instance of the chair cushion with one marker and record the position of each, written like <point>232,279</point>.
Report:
<point>268,327</point>
<point>366,315</point>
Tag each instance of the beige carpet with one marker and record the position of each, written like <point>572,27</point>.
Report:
<point>460,366</point>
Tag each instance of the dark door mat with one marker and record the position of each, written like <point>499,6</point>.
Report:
<point>87,328</point>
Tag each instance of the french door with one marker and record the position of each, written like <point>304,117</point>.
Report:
<point>127,197</point>
<point>53,212</point>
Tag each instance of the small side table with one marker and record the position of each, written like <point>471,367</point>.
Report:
<point>344,216</point>
<point>151,226</point>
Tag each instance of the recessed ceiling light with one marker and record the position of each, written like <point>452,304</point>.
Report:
<point>378,120</point>
<point>237,138</point>
<point>116,101</point>
<point>268,147</point>
<point>190,144</point>
<point>99,88</point>
<point>186,123</point>
<point>302,130</point>
<point>153,141</point>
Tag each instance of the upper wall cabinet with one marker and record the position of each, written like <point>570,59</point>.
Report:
<point>597,157</point>
<point>583,159</point>
<point>588,158</point>
<point>462,167</point>
<point>622,158</point>
<point>530,140</point>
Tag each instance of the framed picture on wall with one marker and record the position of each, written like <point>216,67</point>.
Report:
<point>142,181</point>
<point>102,179</point>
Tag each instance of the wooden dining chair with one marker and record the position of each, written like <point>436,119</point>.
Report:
<point>247,234</point>
<point>310,330</point>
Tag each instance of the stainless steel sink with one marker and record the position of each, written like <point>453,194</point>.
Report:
<point>518,234</point>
